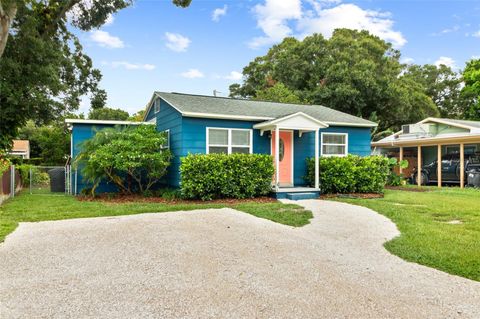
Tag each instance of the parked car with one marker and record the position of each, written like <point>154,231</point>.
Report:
<point>450,169</point>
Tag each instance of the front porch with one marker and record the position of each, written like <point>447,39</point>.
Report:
<point>286,134</point>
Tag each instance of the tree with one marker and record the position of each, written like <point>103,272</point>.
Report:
<point>353,72</point>
<point>43,69</point>
<point>106,113</point>
<point>471,91</point>
<point>51,143</point>
<point>442,85</point>
<point>125,155</point>
<point>278,93</point>
<point>137,117</point>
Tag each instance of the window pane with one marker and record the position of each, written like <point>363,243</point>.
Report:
<point>333,139</point>
<point>218,137</point>
<point>333,150</point>
<point>217,149</point>
<point>244,150</point>
<point>240,137</point>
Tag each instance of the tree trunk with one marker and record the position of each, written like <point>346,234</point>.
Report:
<point>6,18</point>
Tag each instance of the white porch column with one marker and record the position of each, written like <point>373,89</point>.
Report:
<point>277,155</point>
<point>317,164</point>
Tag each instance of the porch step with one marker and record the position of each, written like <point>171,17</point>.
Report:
<point>300,196</point>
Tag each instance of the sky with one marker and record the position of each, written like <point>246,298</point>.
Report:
<point>156,46</point>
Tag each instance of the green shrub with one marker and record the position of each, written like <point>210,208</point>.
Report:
<point>131,157</point>
<point>214,176</point>
<point>39,178</point>
<point>350,174</point>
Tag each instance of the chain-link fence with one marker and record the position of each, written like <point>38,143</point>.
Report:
<point>49,180</point>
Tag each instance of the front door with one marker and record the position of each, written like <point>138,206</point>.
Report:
<point>285,157</point>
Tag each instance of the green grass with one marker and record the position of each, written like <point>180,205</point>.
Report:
<point>426,236</point>
<point>34,208</point>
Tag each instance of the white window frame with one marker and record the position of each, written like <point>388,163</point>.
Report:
<point>167,146</point>
<point>331,144</point>
<point>156,106</point>
<point>229,139</point>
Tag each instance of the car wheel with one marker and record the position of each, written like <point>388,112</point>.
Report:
<point>423,179</point>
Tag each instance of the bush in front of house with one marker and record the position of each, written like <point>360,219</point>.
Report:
<point>350,174</point>
<point>132,158</point>
<point>213,176</point>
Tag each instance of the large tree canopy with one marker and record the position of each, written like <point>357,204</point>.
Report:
<point>43,69</point>
<point>471,91</point>
<point>106,113</point>
<point>353,71</point>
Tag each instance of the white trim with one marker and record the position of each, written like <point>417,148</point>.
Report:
<point>166,147</point>
<point>281,119</point>
<point>317,160</point>
<point>292,133</point>
<point>156,104</point>
<point>334,133</point>
<point>229,139</point>
<point>447,122</point>
<point>351,124</point>
<point>82,121</point>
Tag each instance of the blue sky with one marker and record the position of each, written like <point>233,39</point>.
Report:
<point>154,45</point>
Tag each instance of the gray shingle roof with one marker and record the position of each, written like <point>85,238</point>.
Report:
<point>475,124</point>
<point>189,103</point>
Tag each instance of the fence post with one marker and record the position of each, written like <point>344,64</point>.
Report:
<point>75,193</point>
<point>12,181</point>
<point>30,180</point>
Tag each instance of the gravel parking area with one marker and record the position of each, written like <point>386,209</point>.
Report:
<point>222,264</point>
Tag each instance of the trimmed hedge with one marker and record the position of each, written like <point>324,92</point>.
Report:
<point>350,174</point>
<point>213,176</point>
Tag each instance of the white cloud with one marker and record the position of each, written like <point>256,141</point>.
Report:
<point>234,76</point>
<point>130,66</point>
<point>218,12</point>
<point>447,61</point>
<point>104,39</point>
<point>448,30</point>
<point>476,34</point>
<point>277,18</point>
<point>177,42</point>
<point>272,18</point>
<point>192,74</point>
<point>407,60</point>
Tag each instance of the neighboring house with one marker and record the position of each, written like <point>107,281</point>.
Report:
<point>430,139</point>
<point>20,148</point>
<point>207,124</point>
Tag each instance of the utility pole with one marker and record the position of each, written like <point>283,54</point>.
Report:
<point>215,92</point>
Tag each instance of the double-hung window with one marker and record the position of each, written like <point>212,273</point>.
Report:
<point>334,144</point>
<point>229,141</point>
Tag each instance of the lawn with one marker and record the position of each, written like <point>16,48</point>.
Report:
<point>34,208</point>
<point>439,228</point>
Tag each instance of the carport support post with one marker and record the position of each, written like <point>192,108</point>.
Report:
<point>400,158</point>
<point>419,166</point>
<point>277,154</point>
<point>462,165</point>
<point>317,168</point>
<point>439,165</point>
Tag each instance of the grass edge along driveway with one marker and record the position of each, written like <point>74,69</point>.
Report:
<point>439,228</point>
<point>34,208</point>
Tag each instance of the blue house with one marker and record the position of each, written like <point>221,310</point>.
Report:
<point>207,124</point>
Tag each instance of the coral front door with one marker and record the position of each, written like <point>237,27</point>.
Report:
<point>285,152</point>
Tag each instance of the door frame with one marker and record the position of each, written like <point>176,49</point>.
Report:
<point>293,150</point>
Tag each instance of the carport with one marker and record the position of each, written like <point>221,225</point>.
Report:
<point>429,140</point>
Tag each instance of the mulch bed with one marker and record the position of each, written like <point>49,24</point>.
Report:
<point>120,199</point>
<point>353,195</point>
<point>408,189</point>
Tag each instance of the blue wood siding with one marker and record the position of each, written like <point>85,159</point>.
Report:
<point>81,133</point>
<point>358,144</point>
<point>195,134</point>
<point>170,119</point>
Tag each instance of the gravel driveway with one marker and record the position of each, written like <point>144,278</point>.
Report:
<point>222,264</point>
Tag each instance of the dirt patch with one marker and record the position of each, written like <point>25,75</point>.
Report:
<point>407,189</point>
<point>119,199</point>
<point>353,195</point>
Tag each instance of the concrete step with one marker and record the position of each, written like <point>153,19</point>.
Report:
<point>300,196</point>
